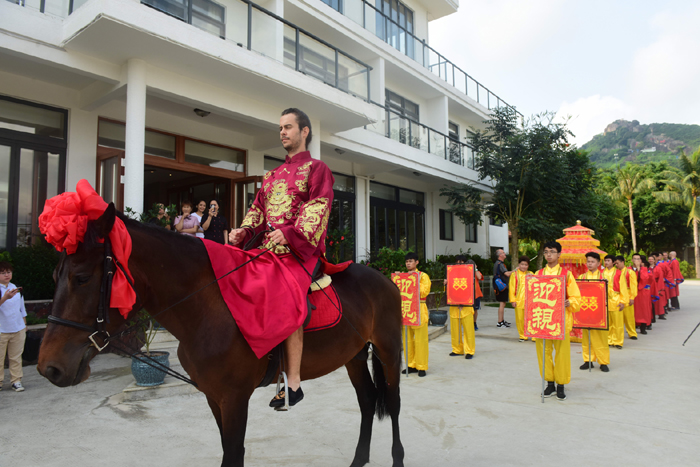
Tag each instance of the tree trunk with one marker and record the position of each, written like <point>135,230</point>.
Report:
<point>634,235</point>
<point>697,249</point>
<point>540,257</point>
<point>514,250</point>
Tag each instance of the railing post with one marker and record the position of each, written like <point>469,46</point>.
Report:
<point>336,70</point>
<point>42,6</point>
<point>488,100</point>
<point>369,99</point>
<point>364,14</point>
<point>189,11</point>
<point>250,25</point>
<point>298,49</point>
<point>477,93</point>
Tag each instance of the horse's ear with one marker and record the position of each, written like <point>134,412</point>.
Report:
<point>106,221</point>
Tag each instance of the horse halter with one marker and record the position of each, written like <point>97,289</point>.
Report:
<point>103,307</point>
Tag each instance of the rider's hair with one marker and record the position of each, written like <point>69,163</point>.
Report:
<point>302,121</point>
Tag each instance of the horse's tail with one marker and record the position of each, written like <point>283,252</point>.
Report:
<point>379,384</point>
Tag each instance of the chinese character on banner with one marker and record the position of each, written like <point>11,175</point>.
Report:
<point>460,284</point>
<point>594,311</point>
<point>409,286</point>
<point>545,314</point>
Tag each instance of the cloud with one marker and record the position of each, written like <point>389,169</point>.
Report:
<point>590,115</point>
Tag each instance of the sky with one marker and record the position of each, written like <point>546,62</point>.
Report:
<point>592,62</point>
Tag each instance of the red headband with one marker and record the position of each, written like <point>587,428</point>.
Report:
<point>64,222</point>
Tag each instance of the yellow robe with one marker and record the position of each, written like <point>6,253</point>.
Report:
<point>516,294</point>
<point>628,312</point>
<point>559,368</point>
<point>616,334</point>
<point>418,335</point>
<point>462,325</point>
<point>599,351</point>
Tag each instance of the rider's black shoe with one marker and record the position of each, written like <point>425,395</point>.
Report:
<point>294,397</point>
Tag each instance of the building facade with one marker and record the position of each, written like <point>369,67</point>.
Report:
<point>168,100</point>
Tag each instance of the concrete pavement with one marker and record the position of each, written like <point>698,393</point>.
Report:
<point>485,411</point>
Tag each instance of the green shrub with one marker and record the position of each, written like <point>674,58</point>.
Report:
<point>687,270</point>
<point>388,261</point>
<point>33,272</point>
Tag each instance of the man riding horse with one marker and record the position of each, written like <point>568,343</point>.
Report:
<point>293,203</point>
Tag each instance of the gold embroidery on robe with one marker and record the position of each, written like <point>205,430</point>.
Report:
<point>313,219</point>
<point>279,202</point>
<point>304,168</point>
<point>275,248</point>
<point>303,185</point>
<point>269,174</point>
<point>254,218</point>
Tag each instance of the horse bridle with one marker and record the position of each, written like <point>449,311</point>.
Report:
<point>99,329</point>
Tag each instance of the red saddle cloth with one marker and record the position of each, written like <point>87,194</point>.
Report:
<point>328,309</point>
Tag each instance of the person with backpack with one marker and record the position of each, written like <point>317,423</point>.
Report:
<point>501,276</point>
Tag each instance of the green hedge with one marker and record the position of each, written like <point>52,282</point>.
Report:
<point>34,266</point>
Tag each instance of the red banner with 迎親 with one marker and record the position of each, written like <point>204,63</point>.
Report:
<point>545,313</point>
<point>594,305</point>
<point>409,287</point>
<point>460,284</point>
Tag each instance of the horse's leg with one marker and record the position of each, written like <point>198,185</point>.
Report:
<point>367,398</point>
<point>234,417</point>
<point>387,375</point>
<point>216,411</point>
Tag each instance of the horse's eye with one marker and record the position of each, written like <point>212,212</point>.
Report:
<point>82,280</point>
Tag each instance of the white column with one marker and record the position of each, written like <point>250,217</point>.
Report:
<point>362,239</point>
<point>377,80</point>
<point>437,114</point>
<point>135,134</point>
<point>315,146</point>
<point>82,141</point>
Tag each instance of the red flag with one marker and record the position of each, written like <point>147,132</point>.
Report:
<point>594,310</point>
<point>545,314</point>
<point>460,284</point>
<point>409,286</point>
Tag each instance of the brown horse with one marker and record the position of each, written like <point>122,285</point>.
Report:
<point>166,267</point>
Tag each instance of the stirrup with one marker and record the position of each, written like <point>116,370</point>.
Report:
<point>284,408</point>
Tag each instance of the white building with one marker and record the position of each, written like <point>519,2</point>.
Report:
<point>80,80</point>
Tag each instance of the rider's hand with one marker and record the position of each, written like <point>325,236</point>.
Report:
<point>236,236</point>
<point>276,236</point>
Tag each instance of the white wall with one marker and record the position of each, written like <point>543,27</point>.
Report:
<point>499,236</point>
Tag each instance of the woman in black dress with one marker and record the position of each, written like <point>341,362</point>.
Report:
<point>215,226</point>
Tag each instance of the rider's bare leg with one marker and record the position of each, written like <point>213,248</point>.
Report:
<point>294,345</point>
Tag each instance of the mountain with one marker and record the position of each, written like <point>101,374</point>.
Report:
<point>623,141</point>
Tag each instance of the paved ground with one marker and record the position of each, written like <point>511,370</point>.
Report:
<point>486,411</point>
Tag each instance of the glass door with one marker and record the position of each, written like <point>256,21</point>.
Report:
<point>5,155</point>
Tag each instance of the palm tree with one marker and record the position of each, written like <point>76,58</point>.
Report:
<point>684,188</point>
<point>630,181</point>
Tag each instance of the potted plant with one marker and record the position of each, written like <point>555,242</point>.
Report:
<point>145,374</point>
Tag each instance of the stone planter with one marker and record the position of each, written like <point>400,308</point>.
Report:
<point>145,374</point>
<point>438,317</point>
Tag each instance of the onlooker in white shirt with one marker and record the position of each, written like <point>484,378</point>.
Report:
<point>13,326</point>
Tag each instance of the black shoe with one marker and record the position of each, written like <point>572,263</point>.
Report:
<point>452,354</point>
<point>643,331</point>
<point>506,324</point>
<point>469,356</point>
<point>500,324</point>
<point>560,393</point>
<point>618,346</point>
<point>586,366</point>
<point>550,389</point>
<point>410,370</point>
<point>294,397</point>
<point>649,327</point>
<point>604,368</point>
<point>522,340</point>
<point>634,338</point>
<point>662,317</point>
<point>421,373</point>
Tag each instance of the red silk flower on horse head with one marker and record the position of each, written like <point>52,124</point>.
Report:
<point>63,222</point>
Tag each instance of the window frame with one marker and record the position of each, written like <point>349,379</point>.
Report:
<point>471,228</point>
<point>443,214</point>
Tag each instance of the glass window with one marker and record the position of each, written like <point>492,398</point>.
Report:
<point>38,181</point>
<point>344,183</point>
<point>214,156</point>
<point>493,221</point>
<point>402,105</point>
<point>377,190</point>
<point>411,197</point>
<point>159,144</point>
<point>111,135</point>
<point>5,153</point>
<point>454,131</point>
<point>470,234</point>
<point>335,4</point>
<point>271,163</point>
<point>32,119</point>
<point>446,232</point>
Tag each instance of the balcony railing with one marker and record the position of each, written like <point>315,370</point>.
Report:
<point>248,25</point>
<point>59,8</point>
<point>403,40</point>
<point>407,131</point>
